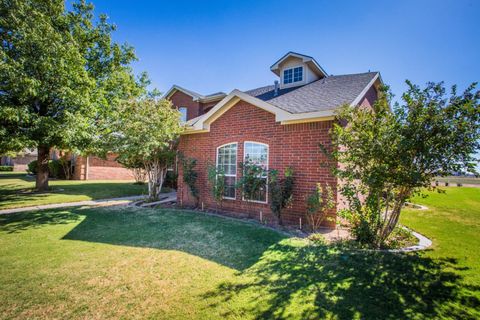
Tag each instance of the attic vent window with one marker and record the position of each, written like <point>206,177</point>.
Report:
<point>292,75</point>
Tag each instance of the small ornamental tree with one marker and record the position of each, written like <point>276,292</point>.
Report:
<point>190,177</point>
<point>318,203</point>
<point>388,156</point>
<point>60,76</point>
<point>280,192</point>
<point>146,130</point>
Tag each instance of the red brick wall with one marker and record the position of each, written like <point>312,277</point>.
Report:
<point>100,169</point>
<point>295,145</point>
<point>180,99</point>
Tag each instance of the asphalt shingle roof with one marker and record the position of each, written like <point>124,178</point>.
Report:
<point>324,94</point>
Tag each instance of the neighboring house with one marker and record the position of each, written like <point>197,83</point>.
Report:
<point>84,168</point>
<point>95,168</point>
<point>278,126</point>
<point>20,161</point>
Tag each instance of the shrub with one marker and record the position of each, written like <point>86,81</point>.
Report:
<point>32,167</point>
<point>55,168</point>
<point>6,168</point>
<point>280,192</point>
<point>171,179</point>
<point>216,183</point>
<point>190,177</point>
<point>318,204</point>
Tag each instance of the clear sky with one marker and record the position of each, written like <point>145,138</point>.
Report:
<point>210,46</point>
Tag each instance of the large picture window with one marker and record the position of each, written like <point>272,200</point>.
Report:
<point>227,162</point>
<point>258,154</point>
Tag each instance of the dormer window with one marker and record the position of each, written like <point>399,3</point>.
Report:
<point>292,75</point>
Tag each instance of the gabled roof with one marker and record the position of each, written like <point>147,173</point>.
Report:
<point>310,61</point>
<point>195,96</point>
<point>316,101</point>
<point>323,94</point>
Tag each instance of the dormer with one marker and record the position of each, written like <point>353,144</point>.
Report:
<point>295,69</point>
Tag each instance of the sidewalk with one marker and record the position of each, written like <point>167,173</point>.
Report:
<point>101,202</point>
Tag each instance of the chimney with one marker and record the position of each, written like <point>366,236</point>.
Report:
<point>275,93</point>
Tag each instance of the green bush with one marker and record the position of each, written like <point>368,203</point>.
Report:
<point>55,169</point>
<point>32,167</point>
<point>6,168</point>
<point>171,180</point>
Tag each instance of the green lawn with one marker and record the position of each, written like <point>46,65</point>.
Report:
<point>171,264</point>
<point>16,190</point>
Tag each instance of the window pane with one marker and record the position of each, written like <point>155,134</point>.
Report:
<point>227,162</point>
<point>287,76</point>
<point>258,154</point>
<point>183,111</point>
<point>229,187</point>
<point>298,74</point>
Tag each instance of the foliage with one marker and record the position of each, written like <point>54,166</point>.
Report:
<point>190,176</point>
<point>280,192</point>
<point>54,169</point>
<point>252,181</point>
<point>171,179</point>
<point>61,76</point>
<point>6,168</point>
<point>146,130</point>
<point>137,167</point>
<point>388,156</point>
<point>32,167</point>
<point>66,167</point>
<point>319,202</point>
<point>216,183</point>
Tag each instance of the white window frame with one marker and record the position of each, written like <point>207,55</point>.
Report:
<point>293,75</point>
<point>266,178</point>
<point>228,175</point>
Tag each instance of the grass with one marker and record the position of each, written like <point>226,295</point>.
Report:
<point>453,223</point>
<point>16,190</point>
<point>172,264</point>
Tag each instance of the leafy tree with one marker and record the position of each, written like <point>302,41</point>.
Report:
<point>146,130</point>
<point>190,177</point>
<point>280,192</point>
<point>318,203</point>
<point>60,76</point>
<point>252,182</point>
<point>388,156</point>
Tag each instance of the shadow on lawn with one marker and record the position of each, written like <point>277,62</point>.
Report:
<point>279,277</point>
<point>233,244</point>
<point>12,223</point>
<point>317,282</point>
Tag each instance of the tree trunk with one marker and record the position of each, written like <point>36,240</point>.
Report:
<point>156,176</point>
<point>41,183</point>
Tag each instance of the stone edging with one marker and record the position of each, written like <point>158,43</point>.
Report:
<point>423,243</point>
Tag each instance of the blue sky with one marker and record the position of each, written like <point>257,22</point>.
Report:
<point>214,46</point>
<point>210,46</point>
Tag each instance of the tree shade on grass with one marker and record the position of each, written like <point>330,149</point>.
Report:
<point>16,190</point>
<point>128,262</point>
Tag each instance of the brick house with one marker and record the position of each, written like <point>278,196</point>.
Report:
<point>276,126</point>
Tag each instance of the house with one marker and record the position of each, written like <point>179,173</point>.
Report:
<point>277,126</point>
<point>83,167</point>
